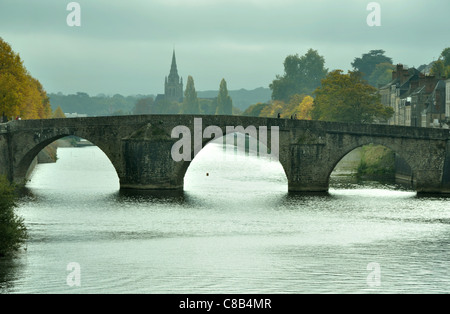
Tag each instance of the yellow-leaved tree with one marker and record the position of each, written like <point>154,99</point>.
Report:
<point>299,107</point>
<point>20,94</point>
<point>305,108</point>
<point>58,114</point>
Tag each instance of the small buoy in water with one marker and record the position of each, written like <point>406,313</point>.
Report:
<point>207,174</point>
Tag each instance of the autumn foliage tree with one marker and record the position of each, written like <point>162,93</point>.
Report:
<point>305,108</point>
<point>348,98</point>
<point>58,113</point>
<point>20,93</point>
<point>298,107</point>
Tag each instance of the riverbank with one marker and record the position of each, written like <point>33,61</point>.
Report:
<point>374,162</point>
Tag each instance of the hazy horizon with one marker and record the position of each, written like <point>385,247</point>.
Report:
<point>126,47</point>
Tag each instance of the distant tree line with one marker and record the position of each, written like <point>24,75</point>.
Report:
<point>192,104</point>
<point>99,105</point>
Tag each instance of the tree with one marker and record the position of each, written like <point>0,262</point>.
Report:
<point>224,102</point>
<point>305,108</point>
<point>348,98</point>
<point>190,102</point>
<point>368,62</point>
<point>20,93</point>
<point>207,106</point>
<point>445,55</point>
<point>275,108</point>
<point>255,110</point>
<point>143,106</point>
<point>58,114</point>
<point>382,74</point>
<point>301,75</point>
<point>13,232</point>
<point>441,67</point>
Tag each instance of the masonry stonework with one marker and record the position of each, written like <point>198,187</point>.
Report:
<point>139,148</point>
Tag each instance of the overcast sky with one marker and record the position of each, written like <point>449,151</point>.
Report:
<point>126,47</point>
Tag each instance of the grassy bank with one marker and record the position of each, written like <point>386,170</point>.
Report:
<point>13,233</point>
<point>377,162</point>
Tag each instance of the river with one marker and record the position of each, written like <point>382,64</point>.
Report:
<point>235,230</point>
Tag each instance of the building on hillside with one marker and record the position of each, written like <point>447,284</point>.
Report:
<point>75,115</point>
<point>173,85</point>
<point>434,114</point>
<point>392,93</point>
<point>447,100</point>
<point>417,99</point>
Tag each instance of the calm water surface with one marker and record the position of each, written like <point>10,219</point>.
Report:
<point>234,231</point>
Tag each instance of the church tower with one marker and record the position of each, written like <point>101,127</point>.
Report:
<point>173,87</point>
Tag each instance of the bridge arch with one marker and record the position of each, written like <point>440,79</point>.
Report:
<point>222,134</point>
<point>32,150</point>
<point>394,147</point>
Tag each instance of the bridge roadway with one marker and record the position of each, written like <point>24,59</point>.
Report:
<point>139,147</point>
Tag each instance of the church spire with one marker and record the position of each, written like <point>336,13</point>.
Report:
<point>173,84</point>
<point>173,76</point>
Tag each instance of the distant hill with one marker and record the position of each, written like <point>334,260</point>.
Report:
<point>242,98</point>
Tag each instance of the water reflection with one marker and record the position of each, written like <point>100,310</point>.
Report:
<point>167,197</point>
<point>235,231</point>
<point>11,269</point>
<point>353,182</point>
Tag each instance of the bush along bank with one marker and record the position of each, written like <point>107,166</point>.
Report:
<point>13,232</point>
<point>377,163</point>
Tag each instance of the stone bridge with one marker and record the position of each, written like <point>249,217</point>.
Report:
<point>139,147</point>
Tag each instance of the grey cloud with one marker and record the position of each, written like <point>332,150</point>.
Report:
<point>126,45</point>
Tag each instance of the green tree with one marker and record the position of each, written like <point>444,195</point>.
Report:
<point>441,67</point>
<point>58,114</point>
<point>445,56</point>
<point>302,75</point>
<point>20,93</point>
<point>207,106</point>
<point>167,107</point>
<point>368,62</point>
<point>382,74</point>
<point>224,102</point>
<point>255,110</point>
<point>13,232</point>
<point>190,102</point>
<point>348,98</point>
